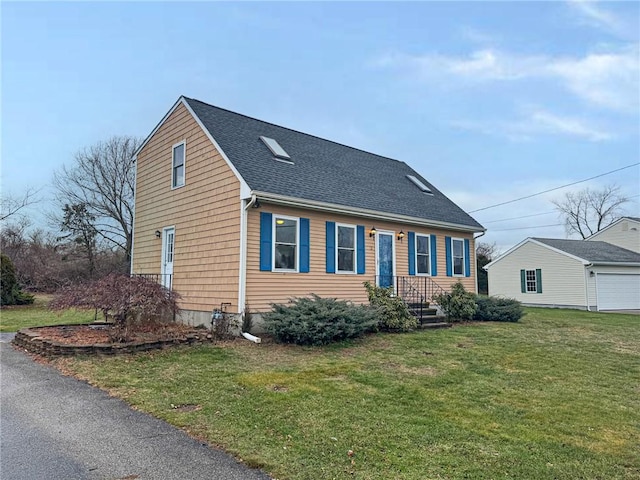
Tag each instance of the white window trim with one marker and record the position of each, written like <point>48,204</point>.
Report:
<point>415,254</point>
<point>526,283</point>
<point>464,260</point>
<point>184,164</point>
<point>355,249</point>
<point>275,216</point>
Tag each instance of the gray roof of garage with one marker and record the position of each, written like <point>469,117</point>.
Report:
<point>324,171</point>
<point>593,252</point>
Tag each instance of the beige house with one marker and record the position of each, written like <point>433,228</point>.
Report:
<point>235,212</point>
<point>624,232</point>
<point>549,272</point>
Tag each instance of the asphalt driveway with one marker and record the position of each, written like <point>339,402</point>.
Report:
<point>55,427</point>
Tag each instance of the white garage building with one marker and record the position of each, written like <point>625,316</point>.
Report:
<point>592,275</point>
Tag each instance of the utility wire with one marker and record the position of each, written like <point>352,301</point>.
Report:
<point>521,216</point>
<point>527,228</point>
<point>552,189</point>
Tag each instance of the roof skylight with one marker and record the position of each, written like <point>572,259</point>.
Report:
<point>275,148</point>
<point>419,184</point>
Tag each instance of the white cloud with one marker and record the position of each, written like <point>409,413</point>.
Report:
<point>594,15</point>
<point>608,80</point>
<point>554,124</point>
<point>534,123</point>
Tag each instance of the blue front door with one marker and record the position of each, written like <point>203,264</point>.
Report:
<point>385,260</point>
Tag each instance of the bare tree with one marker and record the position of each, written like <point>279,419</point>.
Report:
<point>102,179</point>
<point>589,211</point>
<point>12,205</point>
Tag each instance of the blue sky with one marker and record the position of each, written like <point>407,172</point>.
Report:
<point>488,101</point>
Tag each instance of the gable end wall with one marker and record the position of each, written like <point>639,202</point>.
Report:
<point>622,235</point>
<point>205,213</point>
<point>563,282</point>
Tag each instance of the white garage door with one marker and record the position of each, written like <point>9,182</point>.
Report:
<point>618,292</point>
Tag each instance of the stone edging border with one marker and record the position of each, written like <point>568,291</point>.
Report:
<point>30,340</point>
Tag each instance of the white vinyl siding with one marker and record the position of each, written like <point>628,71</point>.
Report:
<point>563,277</point>
<point>625,234</point>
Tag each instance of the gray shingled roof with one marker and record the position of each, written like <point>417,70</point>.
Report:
<point>324,171</point>
<point>593,252</point>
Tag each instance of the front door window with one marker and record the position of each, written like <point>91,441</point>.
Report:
<point>168,243</point>
<point>385,259</point>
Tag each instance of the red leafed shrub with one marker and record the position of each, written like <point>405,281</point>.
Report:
<point>132,302</point>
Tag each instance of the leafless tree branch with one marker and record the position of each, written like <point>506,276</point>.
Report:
<point>589,211</point>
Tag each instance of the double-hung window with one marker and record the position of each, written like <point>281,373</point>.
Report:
<point>285,245</point>
<point>457,247</point>
<point>423,265</point>
<point>346,251</point>
<point>531,281</point>
<point>177,165</point>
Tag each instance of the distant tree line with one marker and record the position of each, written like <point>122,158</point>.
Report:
<point>90,228</point>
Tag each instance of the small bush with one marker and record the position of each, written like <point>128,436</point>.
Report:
<point>11,294</point>
<point>493,309</point>
<point>394,315</point>
<point>133,302</point>
<point>318,321</point>
<point>458,304</point>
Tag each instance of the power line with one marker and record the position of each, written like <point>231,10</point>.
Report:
<point>527,228</point>
<point>521,216</point>
<point>556,188</point>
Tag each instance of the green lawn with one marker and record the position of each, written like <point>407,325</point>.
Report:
<point>14,318</point>
<point>556,396</point>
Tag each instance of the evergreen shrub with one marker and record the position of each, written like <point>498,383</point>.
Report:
<point>457,305</point>
<point>393,313</point>
<point>318,321</point>
<point>494,309</point>
<point>11,294</point>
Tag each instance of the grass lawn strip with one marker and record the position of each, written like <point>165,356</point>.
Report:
<point>554,397</point>
<point>16,317</point>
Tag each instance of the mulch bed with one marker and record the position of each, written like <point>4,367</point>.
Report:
<point>92,334</point>
<point>66,340</point>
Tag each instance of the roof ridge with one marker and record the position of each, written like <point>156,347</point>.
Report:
<point>301,132</point>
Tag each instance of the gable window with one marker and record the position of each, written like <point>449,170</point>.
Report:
<point>177,170</point>
<point>346,251</point>
<point>422,255</point>
<point>285,245</point>
<point>457,246</point>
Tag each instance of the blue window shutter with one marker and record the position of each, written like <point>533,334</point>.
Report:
<point>538,280</point>
<point>266,227</point>
<point>412,253</point>
<point>434,257</point>
<point>447,249</point>
<point>523,281</point>
<point>467,259</point>
<point>360,253</point>
<point>304,245</point>
<point>331,247</point>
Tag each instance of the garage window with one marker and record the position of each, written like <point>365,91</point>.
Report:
<point>531,281</point>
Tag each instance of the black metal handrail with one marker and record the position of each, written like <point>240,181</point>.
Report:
<point>417,292</point>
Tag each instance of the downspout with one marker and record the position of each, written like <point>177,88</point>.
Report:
<point>474,251</point>
<point>586,284</point>
<point>242,277</point>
